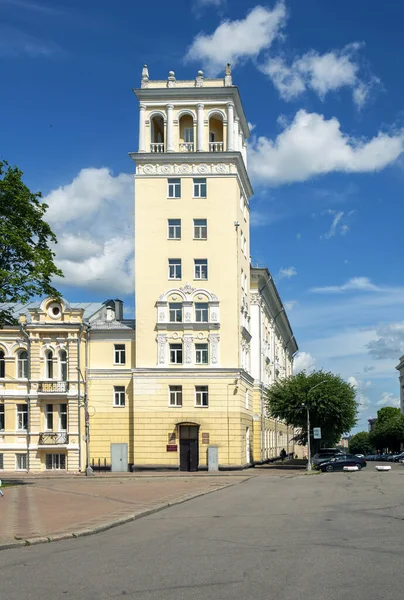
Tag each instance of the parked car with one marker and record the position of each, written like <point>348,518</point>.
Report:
<point>398,457</point>
<point>321,457</point>
<point>337,463</point>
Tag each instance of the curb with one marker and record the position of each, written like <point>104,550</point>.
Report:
<point>111,524</point>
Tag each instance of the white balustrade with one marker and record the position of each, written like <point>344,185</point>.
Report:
<point>186,146</point>
<point>159,147</point>
<point>215,146</point>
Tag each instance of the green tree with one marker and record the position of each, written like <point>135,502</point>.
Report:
<point>331,404</point>
<point>26,259</point>
<point>360,443</point>
<point>388,432</point>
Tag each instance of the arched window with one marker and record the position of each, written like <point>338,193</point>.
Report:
<point>2,364</point>
<point>49,364</point>
<point>22,364</point>
<point>63,365</point>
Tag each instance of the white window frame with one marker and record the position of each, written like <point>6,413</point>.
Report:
<point>174,227</point>
<point>63,414</point>
<point>174,264</point>
<point>189,135</point>
<point>201,394</point>
<point>49,413</point>
<point>200,229</point>
<point>200,310</point>
<point>55,463</point>
<point>23,457</point>
<point>177,310</point>
<point>120,354</point>
<point>178,352</point>
<point>49,370</point>
<point>201,350</point>
<point>63,365</point>
<point>3,417</point>
<point>175,395</point>
<point>22,365</point>
<point>200,268</point>
<point>200,187</point>
<point>174,188</point>
<point>118,396</point>
<point>22,409</point>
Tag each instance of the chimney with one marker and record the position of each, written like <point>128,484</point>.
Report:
<point>118,309</point>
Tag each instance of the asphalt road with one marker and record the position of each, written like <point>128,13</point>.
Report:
<point>322,537</point>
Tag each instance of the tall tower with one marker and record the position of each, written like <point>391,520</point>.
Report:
<point>192,274</point>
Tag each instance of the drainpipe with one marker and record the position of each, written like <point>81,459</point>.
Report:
<point>24,332</point>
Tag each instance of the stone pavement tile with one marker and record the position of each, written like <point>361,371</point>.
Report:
<point>49,507</point>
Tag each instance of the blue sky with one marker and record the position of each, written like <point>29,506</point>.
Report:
<point>321,86</point>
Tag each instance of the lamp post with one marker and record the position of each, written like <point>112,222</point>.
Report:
<point>308,424</point>
<point>84,404</point>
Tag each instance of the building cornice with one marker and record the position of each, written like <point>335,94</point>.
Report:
<point>197,158</point>
<point>170,95</point>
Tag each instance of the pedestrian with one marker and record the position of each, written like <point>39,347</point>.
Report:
<point>1,491</point>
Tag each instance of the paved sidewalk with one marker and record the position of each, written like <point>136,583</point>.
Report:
<point>49,509</point>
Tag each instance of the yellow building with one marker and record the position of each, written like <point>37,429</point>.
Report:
<point>211,331</point>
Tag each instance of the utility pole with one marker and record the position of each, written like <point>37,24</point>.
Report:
<point>84,404</point>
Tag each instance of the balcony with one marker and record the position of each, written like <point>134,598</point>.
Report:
<point>215,146</point>
<point>53,439</point>
<point>53,387</point>
<point>186,146</point>
<point>157,147</point>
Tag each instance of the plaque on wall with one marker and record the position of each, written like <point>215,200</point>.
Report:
<point>171,447</point>
<point>205,438</point>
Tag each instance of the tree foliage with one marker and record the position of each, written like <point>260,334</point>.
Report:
<point>331,404</point>
<point>360,443</point>
<point>388,432</point>
<point>26,259</point>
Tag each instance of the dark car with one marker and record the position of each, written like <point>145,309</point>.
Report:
<point>324,456</point>
<point>337,463</point>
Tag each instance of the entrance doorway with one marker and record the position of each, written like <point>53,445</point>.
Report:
<point>189,447</point>
<point>119,457</point>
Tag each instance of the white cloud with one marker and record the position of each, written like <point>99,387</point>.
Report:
<point>235,41</point>
<point>389,399</point>
<point>312,145</point>
<point>362,400</point>
<point>93,219</point>
<point>333,229</point>
<point>287,273</point>
<point>14,43</point>
<point>362,284</point>
<point>344,229</point>
<point>389,342</point>
<point>303,361</point>
<point>291,304</point>
<point>321,73</point>
<point>210,2</point>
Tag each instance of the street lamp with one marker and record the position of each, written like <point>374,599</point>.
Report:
<point>89,470</point>
<point>308,423</point>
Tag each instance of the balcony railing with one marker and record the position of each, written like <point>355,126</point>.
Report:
<point>49,438</point>
<point>53,387</point>
<point>215,146</point>
<point>186,146</point>
<point>159,147</point>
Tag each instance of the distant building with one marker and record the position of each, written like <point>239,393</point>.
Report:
<point>372,423</point>
<point>344,441</point>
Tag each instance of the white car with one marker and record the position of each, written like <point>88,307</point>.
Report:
<point>360,455</point>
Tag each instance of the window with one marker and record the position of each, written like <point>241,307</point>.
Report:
<point>1,461</point>
<point>175,395</point>
<point>175,309</point>
<point>188,135</point>
<point>174,188</point>
<point>201,395</point>
<point>2,417</point>
<point>49,364</point>
<point>49,417</point>
<point>201,268</point>
<point>63,417</point>
<point>201,312</point>
<point>174,268</point>
<point>2,364</point>
<point>120,354</point>
<point>21,462</point>
<point>174,229</point>
<point>119,395</point>
<point>22,417</point>
<point>212,136</point>
<point>201,354</point>
<point>200,229</point>
<point>55,461</point>
<point>63,365</point>
<point>200,187</point>
<point>22,363</point>
<point>176,354</point>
